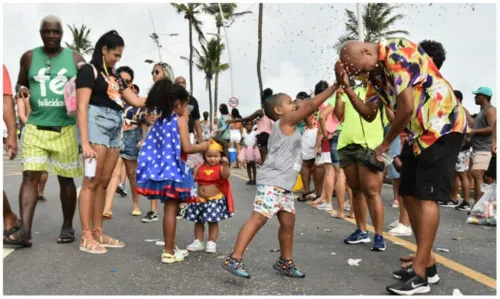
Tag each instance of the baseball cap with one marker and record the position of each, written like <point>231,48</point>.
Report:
<point>483,90</point>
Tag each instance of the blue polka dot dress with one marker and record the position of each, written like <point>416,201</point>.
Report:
<point>162,173</point>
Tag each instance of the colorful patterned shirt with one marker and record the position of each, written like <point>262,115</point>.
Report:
<point>437,111</point>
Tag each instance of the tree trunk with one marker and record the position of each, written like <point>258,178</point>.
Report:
<point>259,53</point>
<point>191,57</point>
<point>209,82</point>
<point>216,87</point>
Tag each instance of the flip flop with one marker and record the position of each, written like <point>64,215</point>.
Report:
<point>136,213</point>
<point>21,238</point>
<point>106,216</point>
<point>67,235</point>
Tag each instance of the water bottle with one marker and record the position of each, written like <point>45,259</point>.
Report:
<point>387,158</point>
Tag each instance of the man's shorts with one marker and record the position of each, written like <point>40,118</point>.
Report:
<point>481,160</point>
<point>269,200</point>
<point>492,168</point>
<point>429,176</point>
<point>40,146</point>
<point>463,161</point>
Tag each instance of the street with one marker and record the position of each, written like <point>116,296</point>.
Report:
<point>49,268</point>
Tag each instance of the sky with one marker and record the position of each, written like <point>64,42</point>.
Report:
<point>297,43</point>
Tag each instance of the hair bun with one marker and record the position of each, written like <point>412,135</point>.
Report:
<point>267,92</point>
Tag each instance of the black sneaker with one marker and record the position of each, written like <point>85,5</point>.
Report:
<point>406,274</point>
<point>150,217</point>
<point>249,182</point>
<point>41,198</point>
<point>464,206</point>
<point>121,190</point>
<point>288,268</point>
<point>253,183</point>
<point>415,285</point>
<point>448,204</point>
<point>181,210</point>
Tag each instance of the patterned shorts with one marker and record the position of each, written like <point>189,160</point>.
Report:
<point>211,210</point>
<point>463,161</point>
<point>269,200</point>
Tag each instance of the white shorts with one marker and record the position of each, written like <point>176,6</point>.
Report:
<point>463,161</point>
<point>324,158</point>
<point>269,200</point>
<point>235,136</point>
<point>309,144</point>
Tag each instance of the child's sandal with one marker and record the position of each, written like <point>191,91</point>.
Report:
<point>167,258</point>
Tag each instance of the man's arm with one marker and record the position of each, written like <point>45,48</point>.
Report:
<point>491,116</point>
<point>22,78</point>
<point>368,110</point>
<point>258,113</point>
<point>9,115</point>
<point>339,105</point>
<point>470,119</point>
<point>389,114</point>
<point>494,139</point>
<point>402,117</point>
<point>78,58</point>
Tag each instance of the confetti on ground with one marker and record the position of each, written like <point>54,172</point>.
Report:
<point>151,240</point>
<point>443,250</point>
<point>398,243</point>
<point>274,250</point>
<point>353,262</point>
<point>327,230</point>
<point>456,292</point>
<point>160,243</point>
<point>333,253</point>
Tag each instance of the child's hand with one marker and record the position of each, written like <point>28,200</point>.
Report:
<point>224,161</point>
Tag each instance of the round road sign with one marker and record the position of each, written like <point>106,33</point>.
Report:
<point>233,102</point>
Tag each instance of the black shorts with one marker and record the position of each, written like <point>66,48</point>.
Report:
<point>429,176</point>
<point>492,168</point>
<point>262,139</point>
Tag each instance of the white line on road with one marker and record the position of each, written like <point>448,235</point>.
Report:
<point>7,251</point>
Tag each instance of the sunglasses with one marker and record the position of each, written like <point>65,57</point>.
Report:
<point>155,72</point>
<point>47,67</point>
<point>128,82</point>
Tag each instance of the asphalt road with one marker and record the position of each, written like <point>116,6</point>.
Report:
<point>49,268</point>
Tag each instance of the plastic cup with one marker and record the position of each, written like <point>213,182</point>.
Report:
<point>387,159</point>
<point>90,166</point>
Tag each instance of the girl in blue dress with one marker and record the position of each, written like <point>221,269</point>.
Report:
<point>162,171</point>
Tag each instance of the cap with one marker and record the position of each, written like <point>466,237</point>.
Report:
<point>483,90</point>
<point>458,94</point>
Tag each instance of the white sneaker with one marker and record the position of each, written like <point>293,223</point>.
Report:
<point>393,224</point>
<point>185,253</point>
<point>325,207</point>
<point>211,247</point>
<point>347,207</point>
<point>400,231</point>
<point>196,246</point>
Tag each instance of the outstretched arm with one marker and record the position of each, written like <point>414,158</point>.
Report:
<point>258,113</point>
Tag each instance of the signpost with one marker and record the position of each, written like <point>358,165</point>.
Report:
<point>233,102</point>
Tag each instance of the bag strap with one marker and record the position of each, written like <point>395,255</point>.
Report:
<point>381,108</point>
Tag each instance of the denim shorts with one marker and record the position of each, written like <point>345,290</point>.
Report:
<point>394,150</point>
<point>131,138</point>
<point>104,126</point>
<point>333,149</point>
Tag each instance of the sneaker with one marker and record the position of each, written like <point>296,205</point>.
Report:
<point>448,204</point>
<point>235,267</point>
<point>121,190</point>
<point>358,237</point>
<point>400,231</point>
<point>464,206</point>
<point>415,285</point>
<point>347,207</point>
<point>406,274</point>
<point>197,245</point>
<point>288,268</point>
<point>41,198</point>
<point>395,204</point>
<point>394,224</point>
<point>325,207</point>
<point>150,217</point>
<point>172,258</point>
<point>211,247</point>
<point>181,211</point>
<point>185,253</point>
<point>378,243</point>
<point>249,182</point>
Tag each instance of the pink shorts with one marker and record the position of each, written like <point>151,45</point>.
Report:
<point>249,154</point>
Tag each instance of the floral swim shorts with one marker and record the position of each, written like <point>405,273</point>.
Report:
<point>269,200</point>
<point>463,161</point>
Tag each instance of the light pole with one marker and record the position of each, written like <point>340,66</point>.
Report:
<point>228,52</point>
<point>361,33</point>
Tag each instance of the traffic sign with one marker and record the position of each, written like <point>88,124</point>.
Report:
<point>233,102</point>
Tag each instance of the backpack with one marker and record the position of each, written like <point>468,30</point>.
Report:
<point>70,95</point>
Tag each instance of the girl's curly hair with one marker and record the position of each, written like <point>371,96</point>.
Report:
<point>163,96</point>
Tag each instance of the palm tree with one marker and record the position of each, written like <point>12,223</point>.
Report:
<point>208,62</point>
<point>190,10</point>
<point>259,49</point>
<point>378,18</point>
<point>81,41</point>
<point>228,9</point>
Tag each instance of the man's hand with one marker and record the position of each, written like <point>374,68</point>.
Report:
<point>382,148</point>
<point>494,147</point>
<point>23,92</point>
<point>11,145</point>
<point>341,74</point>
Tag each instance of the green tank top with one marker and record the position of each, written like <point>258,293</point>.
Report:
<point>47,77</point>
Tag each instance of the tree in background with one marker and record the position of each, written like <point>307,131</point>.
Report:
<point>190,11</point>
<point>81,40</point>
<point>228,9</point>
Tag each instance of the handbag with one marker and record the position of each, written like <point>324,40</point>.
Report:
<point>369,158</point>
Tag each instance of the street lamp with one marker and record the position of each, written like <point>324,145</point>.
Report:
<point>227,44</point>
<point>361,33</point>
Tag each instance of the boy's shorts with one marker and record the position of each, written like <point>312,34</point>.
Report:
<point>269,200</point>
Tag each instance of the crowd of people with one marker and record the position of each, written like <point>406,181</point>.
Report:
<point>390,112</point>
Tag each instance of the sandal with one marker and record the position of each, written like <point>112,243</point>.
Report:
<point>67,235</point>
<point>21,238</point>
<point>107,216</point>
<point>90,245</point>
<point>338,215</point>
<point>136,213</point>
<point>105,240</point>
<point>7,233</point>
<point>167,258</point>
<point>307,196</point>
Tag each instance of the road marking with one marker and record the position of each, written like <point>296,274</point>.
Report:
<point>7,251</point>
<point>473,274</point>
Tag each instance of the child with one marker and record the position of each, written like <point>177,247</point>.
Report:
<point>276,180</point>
<point>162,170</point>
<point>250,153</point>
<point>215,201</point>
<point>324,202</point>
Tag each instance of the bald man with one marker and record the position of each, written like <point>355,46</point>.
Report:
<point>406,80</point>
<point>194,112</point>
<point>49,134</point>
